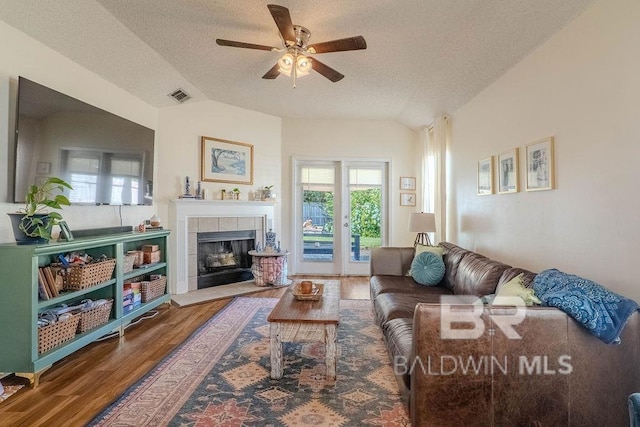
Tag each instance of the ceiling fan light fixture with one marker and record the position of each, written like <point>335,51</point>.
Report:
<point>286,63</point>
<point>295,40</point>
<point>303,65</point>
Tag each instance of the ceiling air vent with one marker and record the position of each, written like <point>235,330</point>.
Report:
<point>179,95</point>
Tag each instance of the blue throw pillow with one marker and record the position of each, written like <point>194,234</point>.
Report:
<point>427,268</point>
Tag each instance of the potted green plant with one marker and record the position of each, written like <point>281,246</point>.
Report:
<point>235,193</point>
<point>33,223</point>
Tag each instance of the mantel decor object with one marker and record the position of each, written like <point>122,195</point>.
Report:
<point>187,190</point>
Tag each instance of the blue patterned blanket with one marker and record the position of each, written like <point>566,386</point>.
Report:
<point>603,312</point>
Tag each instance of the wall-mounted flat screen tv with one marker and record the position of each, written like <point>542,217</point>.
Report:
<point>107,159</point>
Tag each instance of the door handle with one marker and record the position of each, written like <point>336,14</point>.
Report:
<point>346,224</point>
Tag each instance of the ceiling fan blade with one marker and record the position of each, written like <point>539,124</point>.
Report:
<point>273,72</point>
<point>326,71</point>
<point>283,21</point>
<point>341,45</point>
<point>231,43</point>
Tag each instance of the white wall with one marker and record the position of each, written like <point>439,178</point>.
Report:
<point>178,151</point>
<point>23,56</point>
<point>582,87</point>
<point>354,139</point>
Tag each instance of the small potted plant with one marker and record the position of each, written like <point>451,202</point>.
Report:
<point>33,223</point>
<point>235,193</point>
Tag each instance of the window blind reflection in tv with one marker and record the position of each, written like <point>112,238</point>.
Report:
<point>106,158</point>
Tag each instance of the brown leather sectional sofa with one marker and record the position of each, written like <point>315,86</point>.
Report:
<point>556,373</point>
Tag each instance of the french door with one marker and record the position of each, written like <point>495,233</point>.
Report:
<point>340,215</point>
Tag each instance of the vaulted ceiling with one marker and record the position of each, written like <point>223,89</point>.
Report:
<point>424,57</point>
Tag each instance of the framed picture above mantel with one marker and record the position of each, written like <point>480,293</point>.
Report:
<point>226,161</point>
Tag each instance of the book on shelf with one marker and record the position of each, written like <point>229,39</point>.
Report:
<point>43,291</point>
<point>51,281</point>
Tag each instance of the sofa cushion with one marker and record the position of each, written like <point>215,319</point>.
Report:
<point>427,268</point>
<point>438,250</point>
<point>477,275</point>
<point>510,273</point>
<point>391,306</point>
<point>516,288</point>
<point>452,256</point>
<point>382,284</point>
<point>391,261</point>
<point>398,334</point>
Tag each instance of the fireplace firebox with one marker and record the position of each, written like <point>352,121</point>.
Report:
<point>223,257</point>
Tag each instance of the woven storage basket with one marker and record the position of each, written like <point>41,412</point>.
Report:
<point>129,262</point>
<point>83,276</point>
<point>51,336</point>
<point>95,317</point>
<point>153,289</point>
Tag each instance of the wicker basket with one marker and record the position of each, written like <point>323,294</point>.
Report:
<point>51,336</point>
<point>153,289</point>
<point>95,317</point>
<point>129,262</point>
<point>83,276</point>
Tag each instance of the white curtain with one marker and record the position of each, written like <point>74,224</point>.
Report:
<point>435,140</point>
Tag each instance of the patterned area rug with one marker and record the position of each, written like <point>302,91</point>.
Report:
<point>220,377</point>
<point>8,391</point>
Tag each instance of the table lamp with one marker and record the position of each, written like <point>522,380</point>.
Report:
<point>422,223</point>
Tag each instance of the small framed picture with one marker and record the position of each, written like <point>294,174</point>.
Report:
<point>43,168</point>
<point>407,183</point>
<point>540,167</point>
<point>485,176</point>
<point>508,172</point>
<point>65,232</point>
<point>407,199</point>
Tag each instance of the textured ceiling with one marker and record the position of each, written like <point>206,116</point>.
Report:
<point>424,57</point>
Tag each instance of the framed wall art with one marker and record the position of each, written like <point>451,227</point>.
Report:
<point>226,161</point>
<point>407,199</point>
<point>540,165</point>
<point>508,172</point>
<point>485,176</point>
<point>407,183</point>
<point>43,168</point>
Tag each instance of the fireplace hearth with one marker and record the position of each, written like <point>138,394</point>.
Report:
<point>223,257</point>
<point>188,217</point>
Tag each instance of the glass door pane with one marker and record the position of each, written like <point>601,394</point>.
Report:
<point>318,186</point>
<point>365,216</point>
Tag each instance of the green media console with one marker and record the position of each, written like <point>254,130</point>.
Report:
<point>20,302</point>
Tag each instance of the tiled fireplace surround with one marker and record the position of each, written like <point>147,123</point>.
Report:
<point>189,217</point>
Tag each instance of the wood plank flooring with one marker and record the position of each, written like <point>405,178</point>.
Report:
<point>74,390</point>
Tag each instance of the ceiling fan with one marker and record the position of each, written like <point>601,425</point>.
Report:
<point>296,61</point>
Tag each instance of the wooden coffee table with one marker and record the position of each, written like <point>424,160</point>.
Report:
<point>306,321</point>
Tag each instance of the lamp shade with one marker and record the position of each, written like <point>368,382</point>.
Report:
<point>422,222</point>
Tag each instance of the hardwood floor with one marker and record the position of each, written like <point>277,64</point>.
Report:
<point>74,390</point>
